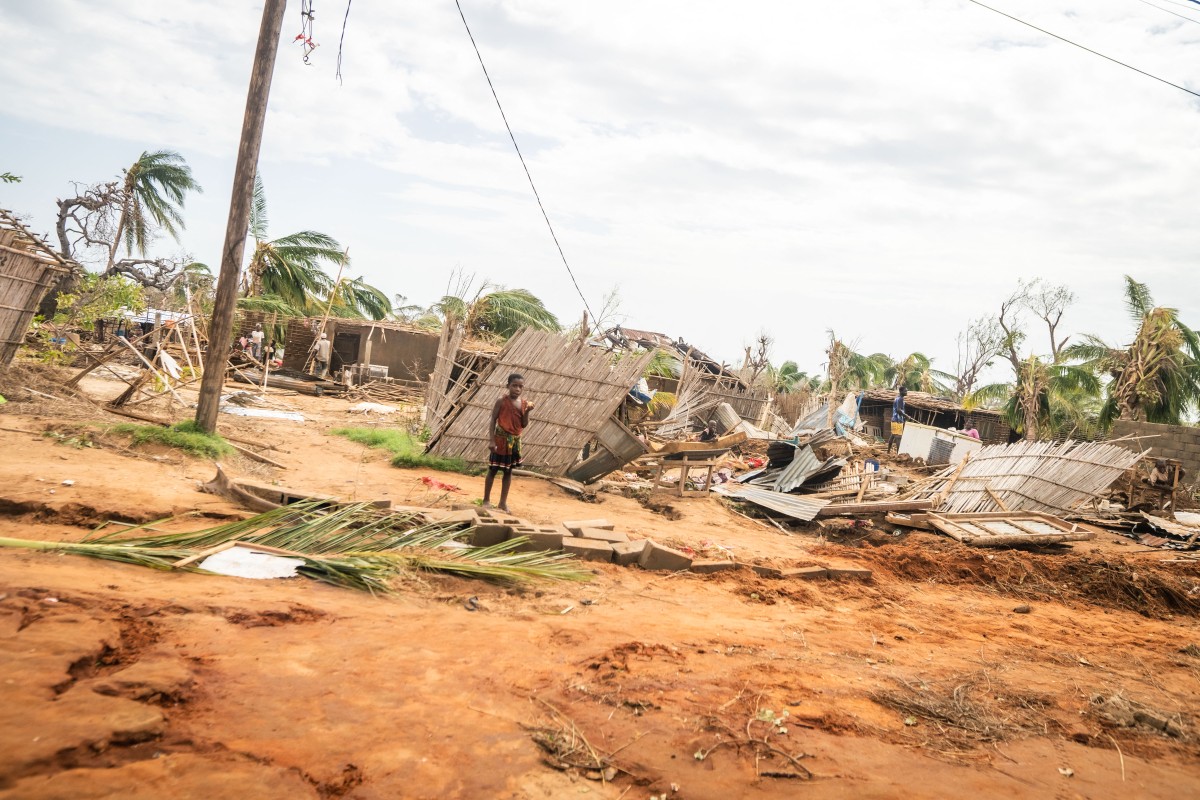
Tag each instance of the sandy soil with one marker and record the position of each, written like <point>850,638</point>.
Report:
<point>923,682</point>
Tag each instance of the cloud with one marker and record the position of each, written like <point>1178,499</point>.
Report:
<point>887,170</point>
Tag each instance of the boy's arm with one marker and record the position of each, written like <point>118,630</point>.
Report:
<point>525,414</point>
<point>491,434</point>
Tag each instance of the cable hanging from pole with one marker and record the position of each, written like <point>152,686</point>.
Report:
<point>516,147</point>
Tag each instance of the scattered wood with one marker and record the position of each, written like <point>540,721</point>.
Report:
<point>257,456</point>
<point>253,496</point>
<point>918,520</point>
<point>1008,529</point>
<point>874,507</point>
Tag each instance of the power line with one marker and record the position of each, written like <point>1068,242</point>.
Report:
<point>536,196</point>
<point>1169,11</point>
<point>1181,5</point>
<point>1081,47</point>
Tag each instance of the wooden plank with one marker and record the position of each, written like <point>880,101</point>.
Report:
<point>996,497</point>
<point>1000,529</point>
<point>877,507</point>
<point>917,520</point>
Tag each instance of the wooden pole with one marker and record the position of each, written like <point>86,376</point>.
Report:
<point>187,291</point>
<point>325,319</point>
<point>253,122</point>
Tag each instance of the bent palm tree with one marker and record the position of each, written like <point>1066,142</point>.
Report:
<point>498,313</point>
<point>289,267</point>
<point>287,275</point>
<point>153,193</point>
<point>1157,377</point>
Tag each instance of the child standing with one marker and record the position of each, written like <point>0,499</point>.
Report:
<point>510,416</point>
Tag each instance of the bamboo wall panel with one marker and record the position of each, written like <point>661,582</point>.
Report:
<point>1052,477</point>
<point>436,404</point>
<point>24,277</point>
<point>575,388</point>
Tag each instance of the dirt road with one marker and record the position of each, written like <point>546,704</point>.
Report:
<point>923,682</point>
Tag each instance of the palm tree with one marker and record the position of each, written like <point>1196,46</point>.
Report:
<point>1157,377</point>
<point>288,268</point>
<point>286,275</point>
<point>916,373</point>
<point>356,298</point>
<point>789,378</point>
<point>1047,399</point>
<point>152,193</point>
<point>496,312</point>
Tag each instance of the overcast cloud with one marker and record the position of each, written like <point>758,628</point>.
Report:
<point>887,170</point>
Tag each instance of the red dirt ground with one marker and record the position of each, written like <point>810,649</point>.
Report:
<point>121,681</point>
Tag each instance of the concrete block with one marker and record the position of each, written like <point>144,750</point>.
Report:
<point>588,549</point>
<point>604,535</point>
<point>464,516</point>
<point>763,571</point>
<point>539,540</point>
<point>626,553</point>
<point>804,573</point>
<point>709,567</point>
<point>487,534</point>
<point>657,556</point>
<point>575,526</point>
<point>857,573</point>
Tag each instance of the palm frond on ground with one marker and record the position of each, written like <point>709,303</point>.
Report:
<point>354,546</point>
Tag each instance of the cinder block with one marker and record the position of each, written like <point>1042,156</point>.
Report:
<point>763,571</point>
<point>488,534</point>
<point>804,573</point>
<point>576,526</point>
<point>626,553</point>
<point>858,573</point>
<point>657,556</point>
<point>463,516</point>
<point>709,567</point>
<point>538,540</point>
<point>604,535</point>
<point>588,549</point>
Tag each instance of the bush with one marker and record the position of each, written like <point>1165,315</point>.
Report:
<point>406,450</point>
<point>184,436</point>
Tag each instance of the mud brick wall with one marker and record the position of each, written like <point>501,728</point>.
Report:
<point>1181,442</point>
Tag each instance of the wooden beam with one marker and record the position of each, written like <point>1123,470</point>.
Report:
<point>881,507</point>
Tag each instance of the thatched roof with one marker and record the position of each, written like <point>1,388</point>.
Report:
<point>925,401</point>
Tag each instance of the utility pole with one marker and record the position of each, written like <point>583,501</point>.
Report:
<point>221,325</point>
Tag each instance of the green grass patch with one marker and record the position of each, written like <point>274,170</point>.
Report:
<point>183,436</point>
<point>406,450</point>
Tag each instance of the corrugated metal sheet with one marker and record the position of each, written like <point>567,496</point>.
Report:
<point>804,463</point>
<point>801,508</point>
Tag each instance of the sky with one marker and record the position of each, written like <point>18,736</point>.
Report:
<point>884,170</point>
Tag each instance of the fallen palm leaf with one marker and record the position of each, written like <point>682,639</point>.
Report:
<point>355,546</point>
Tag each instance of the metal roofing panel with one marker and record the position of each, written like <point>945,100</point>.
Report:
<point>800,508</point>
<point>794,474</point>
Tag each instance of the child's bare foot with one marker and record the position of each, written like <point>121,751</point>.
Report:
<point>505,509</point>
<point>486,504</point>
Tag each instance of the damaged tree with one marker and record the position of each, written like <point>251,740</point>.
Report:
<point>104,219</point>
<point>1046,393</point>
<point>1157,377</point>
